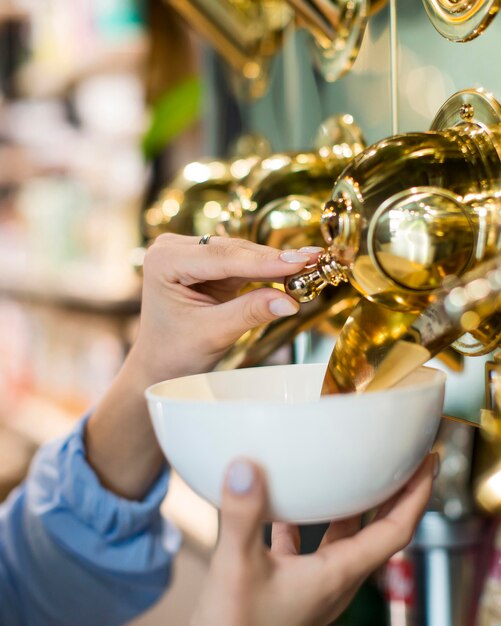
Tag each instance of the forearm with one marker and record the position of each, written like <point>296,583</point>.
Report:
<point>121,446</point>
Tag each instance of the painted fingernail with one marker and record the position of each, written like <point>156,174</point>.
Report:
<point>292,256</point>
<point>283,307</point>
<point>311,249</point>
<point>240,477</point>
<point>436,465</point>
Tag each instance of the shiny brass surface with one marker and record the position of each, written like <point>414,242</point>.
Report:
<point>461,20</point>
<point>379,346</point>
<point>337,28</point>
<point>247,33</point>
<point>289,178</point>
<point>414,209</point>
<point>356,355</point>
<point>194,201</point>
<point>290,222</point>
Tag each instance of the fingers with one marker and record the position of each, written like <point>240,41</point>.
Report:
<point>242,510</point>
<point>183,262</point>
<point>285,539</point>
<point>261,306</point>
<point>375,544</point>
<point>341,530</point>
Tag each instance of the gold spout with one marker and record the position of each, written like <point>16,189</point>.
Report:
<point>378,346</point>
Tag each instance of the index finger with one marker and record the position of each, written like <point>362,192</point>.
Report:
<point>222,258</point>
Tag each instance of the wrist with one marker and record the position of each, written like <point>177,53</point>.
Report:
<point>147,366</point>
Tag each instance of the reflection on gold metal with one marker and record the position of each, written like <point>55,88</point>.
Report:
<point>453,360</point>
<point>194,202</point>
<point>414,210</point>
<point>290,222</point>
<point>247,33</point>
<point>356,355</point>
<point>296,182</point>
<point>461,20</point>
<point>337,28</point>
<point>378,346</point>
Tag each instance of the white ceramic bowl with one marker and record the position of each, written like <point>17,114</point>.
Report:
<point>325,458</point>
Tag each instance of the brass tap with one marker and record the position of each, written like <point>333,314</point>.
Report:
<point>379,346</point>
<point>295,180</point>
<point>194,202</point>
<point>414,210</point>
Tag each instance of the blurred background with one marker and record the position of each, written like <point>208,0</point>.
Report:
<point>103,103</point>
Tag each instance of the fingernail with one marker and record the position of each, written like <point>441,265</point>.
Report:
<point>240,477</point>
<point>283,307</point>
<point>311,249</point>
<point>436,465</point>
<point>292,256</point>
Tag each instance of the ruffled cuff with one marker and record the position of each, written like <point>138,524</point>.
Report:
<point>92,522</point>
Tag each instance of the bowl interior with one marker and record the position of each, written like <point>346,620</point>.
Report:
<point>283,384</point>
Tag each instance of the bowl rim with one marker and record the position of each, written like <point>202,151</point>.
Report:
<point>438,380</point>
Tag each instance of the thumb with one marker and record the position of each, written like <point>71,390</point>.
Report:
<point>243,507</point>
<point>252,309</point>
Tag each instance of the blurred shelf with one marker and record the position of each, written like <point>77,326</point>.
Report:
<point>37,81</point>
<point>16,453</point>
<point>39,419</point>
<point>85,302</point>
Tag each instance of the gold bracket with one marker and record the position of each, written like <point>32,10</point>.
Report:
<point>468,106</point>
<point>461,20</point>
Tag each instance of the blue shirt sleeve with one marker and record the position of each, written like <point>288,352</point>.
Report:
<point>72,552</point>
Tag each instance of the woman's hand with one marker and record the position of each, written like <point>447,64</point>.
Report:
<point>190,315</point>
<point>249,585</point>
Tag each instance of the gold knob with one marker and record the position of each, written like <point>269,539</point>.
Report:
<point>309,283</point>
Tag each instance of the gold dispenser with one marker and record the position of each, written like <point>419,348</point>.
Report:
<point>247,33</point>
<point>408,217</point>
<point>414,209</point>
<point>379,346</point>
<point>337,28</point>
<point>297,183</point>
<point>193,203</point>
<point>461,20</point>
